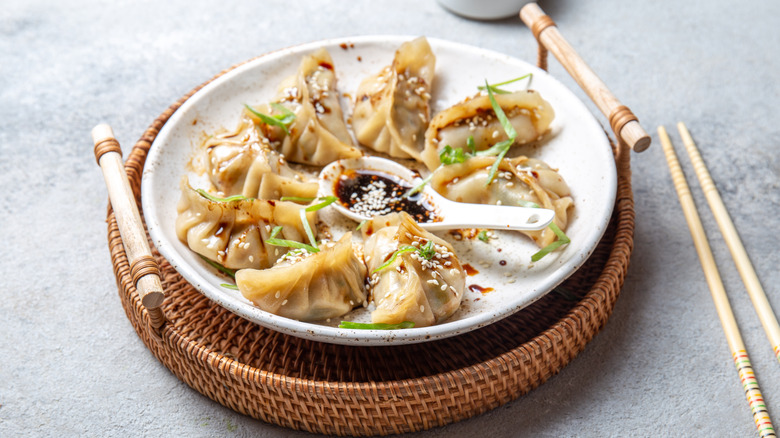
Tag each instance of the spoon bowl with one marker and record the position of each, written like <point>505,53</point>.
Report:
<point>444,213</point>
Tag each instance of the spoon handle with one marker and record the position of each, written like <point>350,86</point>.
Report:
<point>495,217</point>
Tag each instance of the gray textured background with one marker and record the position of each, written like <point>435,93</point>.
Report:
<point>72,364</point>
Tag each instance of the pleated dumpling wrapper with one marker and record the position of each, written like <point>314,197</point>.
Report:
<point>526,110</point>
<point>309,286</point>
<point>392,107</point>
<point>233,233</point>
<point>318,134</point>
<point>241,162</point>
<point>519,181</point>
<point>414,275</point>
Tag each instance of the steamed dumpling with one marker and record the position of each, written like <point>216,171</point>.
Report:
<point>309,286</point>
<point>233,233</point>
<point>518,181</point>
<point>392,107</point>
<point>242,162</point>
<point>318,135</point>
<point>528,113</point>
<point>424,289</point>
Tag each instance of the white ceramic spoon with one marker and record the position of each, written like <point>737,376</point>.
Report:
<point>451,214</point>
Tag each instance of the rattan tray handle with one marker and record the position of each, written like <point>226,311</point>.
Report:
<point>143,268</point>
<point>623,122</point>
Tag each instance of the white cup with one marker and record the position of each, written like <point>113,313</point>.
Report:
<point>484,9</point>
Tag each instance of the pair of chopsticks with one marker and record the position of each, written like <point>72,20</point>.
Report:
<point>745,268</point>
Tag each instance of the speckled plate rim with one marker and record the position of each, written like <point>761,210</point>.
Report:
<point>159,169</point>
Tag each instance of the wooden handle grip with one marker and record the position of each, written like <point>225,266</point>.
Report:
<point>144,270</point>
<point>623,122</point>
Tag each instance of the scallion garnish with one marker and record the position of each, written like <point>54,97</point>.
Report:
<point>502,147</point>
<point>427,251</point>
<point>471,144</point>
<point>483,236</point>
<point>494,87</point>
<point>296,199</point>
<point>449,155</point>
<point>229,286</point>
<point>563,239</point>
<point>272,240</point>
<point>395,255</point>
<point>327,201</point>
<point>213,198</point>
<point>281,120</point>
<point>227,271</point>
<point>418,187</point>
<point>306,227</point>
<point>377,326</point>
<point>361,224</point>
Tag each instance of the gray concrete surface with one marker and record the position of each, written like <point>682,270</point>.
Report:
<point>73,366</point>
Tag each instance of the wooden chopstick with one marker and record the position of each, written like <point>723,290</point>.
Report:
<point>727,320</point>
<point>143,268</point>
<point>738,253</point>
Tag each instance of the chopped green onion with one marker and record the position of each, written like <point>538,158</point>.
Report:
<point>227,271</point>
<point>281,121</point>
<point>448,155</point>
<point>328,200</point>
<point>213,198</point>
<point>229,286</point>
<point>471,144</point>
<point>377,326</point>
<point>296,199</point>
<point>419,187</point>
<point>508,128</point>
<point>272,240</point>
<point>502,147</point>
<point>563,239</point>
<point>395,256</point>
<point>494,167</point>
<point>287,116</point>
<point>496,149</point>
<point>483,236</point>
<point>307,228</point>
<point>494,87</point>
<point>361,224</point>
<point>427,251</point>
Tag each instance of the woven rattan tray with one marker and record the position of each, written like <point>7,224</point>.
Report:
<point>347,390</point>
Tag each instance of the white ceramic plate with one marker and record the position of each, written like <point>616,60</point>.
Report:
<point>577,146</point>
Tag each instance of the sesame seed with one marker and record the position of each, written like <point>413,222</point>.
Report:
<point>443,287</point>
<point>284,302</point>
<point>278,294</point>
<point>422,309</point>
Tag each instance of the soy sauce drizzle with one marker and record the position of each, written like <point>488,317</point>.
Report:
<point>372,193</point>
<point>481,289</point>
